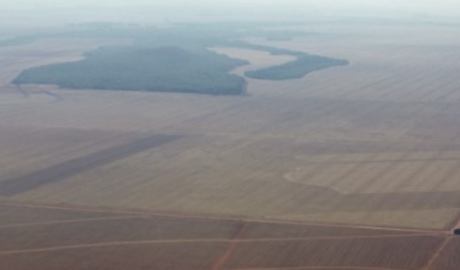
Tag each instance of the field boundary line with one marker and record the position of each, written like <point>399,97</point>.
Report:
<point>221,260</point>
<point>436,254</point>
<point>68,221</point>
<point>233,242</point>
<point>217,218</point>
<point>108,244</point>
<point>305,239</point>
<point>443,245</point>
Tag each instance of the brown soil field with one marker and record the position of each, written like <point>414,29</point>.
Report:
<point>448,257</point>
<point>149,256</point>
<point>109,240</point>
<point>353,167</point>
<point>384,253</point>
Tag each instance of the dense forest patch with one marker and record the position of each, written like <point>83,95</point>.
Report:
<point>166,69</point>
<point>171,59</point>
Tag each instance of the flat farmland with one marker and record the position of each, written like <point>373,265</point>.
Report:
<point>124,239</point>
<point>351,167</point>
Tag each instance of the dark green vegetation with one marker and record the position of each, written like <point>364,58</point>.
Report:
<point>296,69</point>
<point>304,64</point>
<point>166,69</point>
<point>173,59</point>
<point>19,40</point>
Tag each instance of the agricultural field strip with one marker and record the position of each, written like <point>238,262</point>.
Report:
<point>368,91</point>
<point>436,95</point>
<point>447,96</point>
<point>216,218</point>
<point>87,144</point>
<point>331,108</point>
<point>169,121</point>
<point>71,152</point>
<point>349,89</point>
<point>450,173</point>
<point>20,101</point>
<point>401,160</point>
<point>404,157</point>
<point>231,111</point>
<point>61,171</point>
<point>454,88</point>
<point>326,86</point>
<point>319,111</point>
<point>53,150</point>
<point>423,87</point>
<point>102,107</point>
<point>421,79</point>
<point>395,88</point>
<point>227,254</point>
<point>412,175</point>
<point>264,136</point>
<point>352,170</point>
<point>383,85</point>
<point>453,62</point>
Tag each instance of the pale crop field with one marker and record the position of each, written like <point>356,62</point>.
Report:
<point>374,143</point>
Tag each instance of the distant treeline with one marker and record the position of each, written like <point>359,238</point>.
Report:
<point>296,69</point>
<point>20,40</point>
<point>304,64</point>
<point>166,69</point>
<point>168,59</point>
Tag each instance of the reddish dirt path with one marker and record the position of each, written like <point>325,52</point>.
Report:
<point>441,248</point>
<point>436,254</point>
<point>231,247</point>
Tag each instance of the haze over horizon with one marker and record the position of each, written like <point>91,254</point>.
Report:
<point>274,8</point>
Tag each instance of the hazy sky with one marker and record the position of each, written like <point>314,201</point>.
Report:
<point>343,4</point>
<point>426,5</point>
<point>216,8</point>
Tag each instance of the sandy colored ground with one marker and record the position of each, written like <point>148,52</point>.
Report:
<point>374,143</point>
